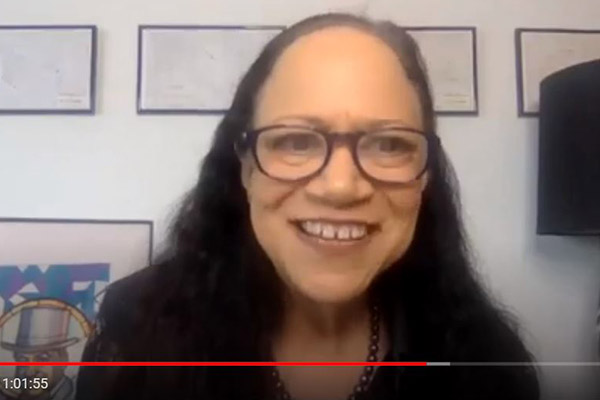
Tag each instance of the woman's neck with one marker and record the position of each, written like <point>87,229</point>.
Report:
<point>325,319</point>
<point>329,327</point>
<point>318,332</point>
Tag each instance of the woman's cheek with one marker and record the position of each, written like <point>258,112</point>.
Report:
<point>268,201</point>
<point>267,193</point>
<point>404,209</point>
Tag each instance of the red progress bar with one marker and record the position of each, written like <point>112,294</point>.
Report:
<point>216,364</point>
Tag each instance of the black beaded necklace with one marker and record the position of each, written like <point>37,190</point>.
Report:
<point>365,377</point>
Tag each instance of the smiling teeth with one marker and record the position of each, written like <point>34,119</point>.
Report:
<point>334,231</point>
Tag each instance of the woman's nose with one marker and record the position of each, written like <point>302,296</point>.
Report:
<point>340,184</point>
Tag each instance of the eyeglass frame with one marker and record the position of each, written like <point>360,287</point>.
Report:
<point>249,139</point>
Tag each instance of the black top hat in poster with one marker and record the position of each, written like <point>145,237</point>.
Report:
<point>52,277</point>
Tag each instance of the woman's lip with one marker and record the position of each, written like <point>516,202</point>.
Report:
<point>330,246</point>
<point>334,220</point>
<point>371,226</point>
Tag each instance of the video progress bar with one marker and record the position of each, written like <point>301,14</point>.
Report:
<point>304,364</point>
<point>225,364</point>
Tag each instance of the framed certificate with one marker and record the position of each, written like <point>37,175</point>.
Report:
<point>53,275</point>
<point>541,52</point>
<point>450,54</point>
<point>47,69</point>
<point>194,69</point>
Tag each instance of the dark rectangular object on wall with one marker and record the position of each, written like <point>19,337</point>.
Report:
<point>569,152</point>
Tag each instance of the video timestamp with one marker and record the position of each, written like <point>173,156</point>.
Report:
<point>22,383</point>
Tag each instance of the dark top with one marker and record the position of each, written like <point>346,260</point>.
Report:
<point>121,302</point>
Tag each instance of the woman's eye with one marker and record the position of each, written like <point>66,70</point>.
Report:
<point>296,142</point>
<point>392,145</point>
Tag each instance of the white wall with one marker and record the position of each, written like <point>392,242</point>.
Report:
<point>120,165</point>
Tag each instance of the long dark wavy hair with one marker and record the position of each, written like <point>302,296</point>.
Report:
<point>213,295</point>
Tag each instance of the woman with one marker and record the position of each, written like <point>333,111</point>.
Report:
<point>324,227</point>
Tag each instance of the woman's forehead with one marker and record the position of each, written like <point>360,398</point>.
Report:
<point>338,71</point>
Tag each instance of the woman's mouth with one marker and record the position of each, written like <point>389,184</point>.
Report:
<point>339,231</point>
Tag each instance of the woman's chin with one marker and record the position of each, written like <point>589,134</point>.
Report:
<point>337,291</point>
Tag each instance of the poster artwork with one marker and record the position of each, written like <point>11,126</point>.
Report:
<point>46,315</point>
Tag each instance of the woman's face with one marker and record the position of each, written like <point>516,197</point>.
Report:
<point>345,80</point>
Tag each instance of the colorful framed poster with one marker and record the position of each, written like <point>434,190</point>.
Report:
<point>194,69</point>
<point>47,69</point>
<point>53,274</point>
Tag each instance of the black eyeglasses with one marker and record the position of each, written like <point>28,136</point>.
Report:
<point>396,155</point>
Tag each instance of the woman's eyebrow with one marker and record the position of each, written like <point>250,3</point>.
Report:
<point>382,123</point>
<point>360,123</point>
<point>314,121</point>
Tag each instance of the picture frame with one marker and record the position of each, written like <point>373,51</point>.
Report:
<point>450,55</point>
<point>53,276</point>
<point>542,51</point>
<point>194,69</point>
<point>48,69</point>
